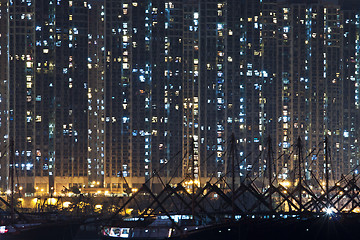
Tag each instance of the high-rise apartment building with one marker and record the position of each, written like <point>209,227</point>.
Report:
<point>94,91</point>
<point>351,65</point>
<point>315,86</point>
<point>4,95</point>
<point>47,51</point>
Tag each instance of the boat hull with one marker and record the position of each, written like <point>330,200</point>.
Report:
<point>137,233</point>
<point>65,231</point>
<point>321,227</point>
<point>309,228</point>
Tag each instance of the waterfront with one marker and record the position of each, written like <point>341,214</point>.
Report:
<point>317,228</point>
<point>227,207</point>
<point>300,227</point>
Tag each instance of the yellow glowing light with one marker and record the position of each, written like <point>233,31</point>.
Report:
<point>66,204</point>
<point>128,211</point>
<point>191,182</point>
<point>285,184</point>
<point>356,210</point>
<point>51,201</point>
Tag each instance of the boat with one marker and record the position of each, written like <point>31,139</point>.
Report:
<point>159,227</point>
<point>310,226</point>
<point>16,225</point>
<point>39,231</point>
<point>137,228</point>
<point>244,211</point>
<point>37,226</point>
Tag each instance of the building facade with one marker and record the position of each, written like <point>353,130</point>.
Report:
<point>108,93</point>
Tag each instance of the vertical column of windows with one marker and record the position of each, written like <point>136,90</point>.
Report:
<point>149,11</point>
<point>221,59</point>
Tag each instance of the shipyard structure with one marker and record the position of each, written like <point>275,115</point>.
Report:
<point>95,92</point>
